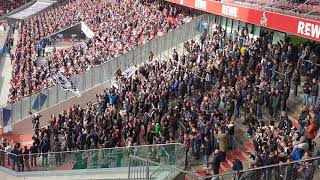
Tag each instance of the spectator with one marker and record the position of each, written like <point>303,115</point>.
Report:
<point>141,23</point>
<point>8,150</point>
<point>217,159</point>
<point>15,156</point>
<point>306,91</point>
<point>207,151</point>
<point>45,147</point>
<point>237,166</point>
<point>26,157</point>
<point>34,153</point>
<point>2,156</point>
<point>314,92</point>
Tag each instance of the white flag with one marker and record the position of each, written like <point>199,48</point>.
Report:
<point>130,71</point>
<point>65,83</point>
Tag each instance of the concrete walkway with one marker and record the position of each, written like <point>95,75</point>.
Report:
<point>5,64</point>
<point>5,71</point>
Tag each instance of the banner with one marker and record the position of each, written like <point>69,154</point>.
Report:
<point>32,10</point>
<point>86,30</point>
<point>65,83</point>
<point>302,27</point>
<point>127,74</point>
<point>130,71</point>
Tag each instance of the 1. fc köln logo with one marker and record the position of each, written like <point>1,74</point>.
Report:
<point>264,20</point>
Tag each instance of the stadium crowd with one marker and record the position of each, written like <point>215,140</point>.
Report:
<point>301,8</point>
<point>7,6</point>
<point>141,21</point>
<point>197,99</point>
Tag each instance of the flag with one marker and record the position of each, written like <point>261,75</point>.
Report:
<point>114,83</point>
<point>65,83</point>
<point>130,71</point>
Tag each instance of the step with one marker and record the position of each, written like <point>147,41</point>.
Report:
<point>294,117</point>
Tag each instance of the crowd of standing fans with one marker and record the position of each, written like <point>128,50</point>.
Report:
<point>7,6</point>
<point>198,98</point>
<point>141,21</point>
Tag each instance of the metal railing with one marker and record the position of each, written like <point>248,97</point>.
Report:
<point>97,75</point>
<point>90,159</point>
<point>306,169</point>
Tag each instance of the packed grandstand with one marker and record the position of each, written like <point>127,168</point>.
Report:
<point>223,89</point>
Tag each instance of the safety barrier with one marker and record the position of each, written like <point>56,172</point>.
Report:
<point>97,75</point>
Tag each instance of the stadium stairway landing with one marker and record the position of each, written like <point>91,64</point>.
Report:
<point>5,71</point>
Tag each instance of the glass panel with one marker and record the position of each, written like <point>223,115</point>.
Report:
<point>52,95</point>
<point>235,25</point>
<point>79,82</point>
<point>26,104</point>
<point>98,158</point>
<point>88,79</point>
<point>138,55</point>
<point>229,26</point>
<point>223,22</point>
<point>147,50</point>
<point>16,111</point>
<point>153,47</point>
<point>256,31</point>
<point>97,71</point>
<point>250,30</point>
<point>110,66</point>
<point>34,103</point>
<point>7,118</point>
<point>131,60</point>
<point>126,61</point>
<point>120,64</point>
<point>242,24</point>
<point>62,94</point>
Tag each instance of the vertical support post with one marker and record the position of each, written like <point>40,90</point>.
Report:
<point>236,176</point>
<point>147,170</point>
<point>129,166</point>
<point>286,172</point>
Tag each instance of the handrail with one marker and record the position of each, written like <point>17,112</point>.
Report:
<point>165,151</point>
<point>114,61</point>
<point>255,169</point>
<point>182,125</point>
<point>143,159</point>
<point>89,150</point>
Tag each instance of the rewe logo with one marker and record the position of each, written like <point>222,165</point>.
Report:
<point>309,29</point>
<point>201,4</point>
<point>229,11</point>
